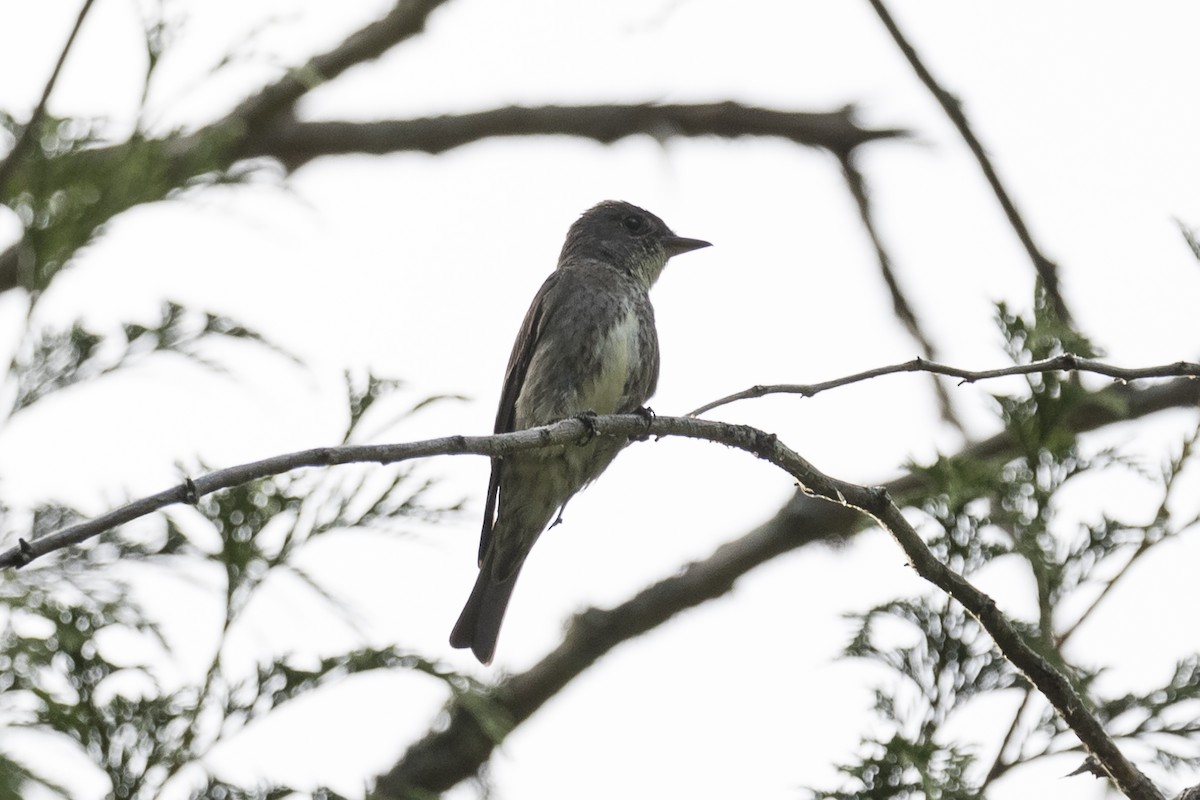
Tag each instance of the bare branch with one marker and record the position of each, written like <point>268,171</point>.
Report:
<point>296,143</point>
<point>1063,363</point>
<point>1050,682</point>
<point>900,305</point>
<point>560,433</point>
<point>31,130</point>
<point>1046,269</point>
<point>597,632</point>
<point>455,752</point>
<point>405,20</point>
<point>264,125</point>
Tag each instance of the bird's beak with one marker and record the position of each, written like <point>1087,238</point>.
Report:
<point>676,245</point>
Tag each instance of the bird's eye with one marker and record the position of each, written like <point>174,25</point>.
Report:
<point>634,224</point>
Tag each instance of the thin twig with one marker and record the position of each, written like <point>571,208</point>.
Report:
<point>9,164</point>
<point>406,19</point>
<point>900,305</point>
<point>1061,363</point>
<point>1046,269</point>
<point>192,490</point>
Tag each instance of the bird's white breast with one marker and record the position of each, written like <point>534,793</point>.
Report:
<point>618,352</point>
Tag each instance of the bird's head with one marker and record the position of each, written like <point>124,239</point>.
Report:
<point>630,238</point>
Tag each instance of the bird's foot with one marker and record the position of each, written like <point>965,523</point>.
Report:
<point>588,418</point>
<point>646,413</point>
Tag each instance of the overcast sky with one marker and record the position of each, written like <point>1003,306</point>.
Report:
<point>421,268</point>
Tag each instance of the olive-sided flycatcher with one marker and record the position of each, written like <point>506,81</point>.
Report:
<point>588,344</point>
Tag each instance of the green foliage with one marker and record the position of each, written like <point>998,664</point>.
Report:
<point>360,399</point>
<point>901,769</point>
<point>72,179</point>
<point>69,621</point>
<point>361,395</point>
<point>952,662</point>
<point>262,525</point>
<point>50,360</point>
<point>219,790</point>
<point>1036,419</point>
<point>53,672</point>
<point>60,674</point>
<point>939,658</point>
<point>56,675</point>
<point>71,185</point>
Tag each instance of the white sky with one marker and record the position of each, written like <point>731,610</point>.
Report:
<point>421,268</point>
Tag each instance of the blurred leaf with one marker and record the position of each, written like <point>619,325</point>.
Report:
<point>360,396</point>
<point>16,779</point>
<point>69,185</point>
<point>281,680</point>
<point>363,393</point>
<point>950,660</point>
<point>939,659</point>
<point>899,769</point>
<point>54,676</point>
<point>53,360</point>
<point>216,789</point>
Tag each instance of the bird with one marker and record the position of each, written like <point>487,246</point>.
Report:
<point>588,345</point>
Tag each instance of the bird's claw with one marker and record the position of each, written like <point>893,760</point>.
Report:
<point>588,418</point>
<point>647,414</point>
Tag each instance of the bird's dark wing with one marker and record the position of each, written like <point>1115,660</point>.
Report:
<point>514,379</point>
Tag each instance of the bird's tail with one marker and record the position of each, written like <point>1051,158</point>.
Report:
<point>478,625</point>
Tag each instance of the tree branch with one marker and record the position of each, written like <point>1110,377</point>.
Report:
<point>217,146</point>
<point>296,143</point>
<point>498,446</point>
<point>1050,682</point>
<point>264,125</point>
<point>1064,363</point>
<point>454,753</point>
<point>596,628</point>
<point>1046,269</point>
<point>406,19</point>
<point>457,751</point>
<point>35,119</point>
<point>900,305</point>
